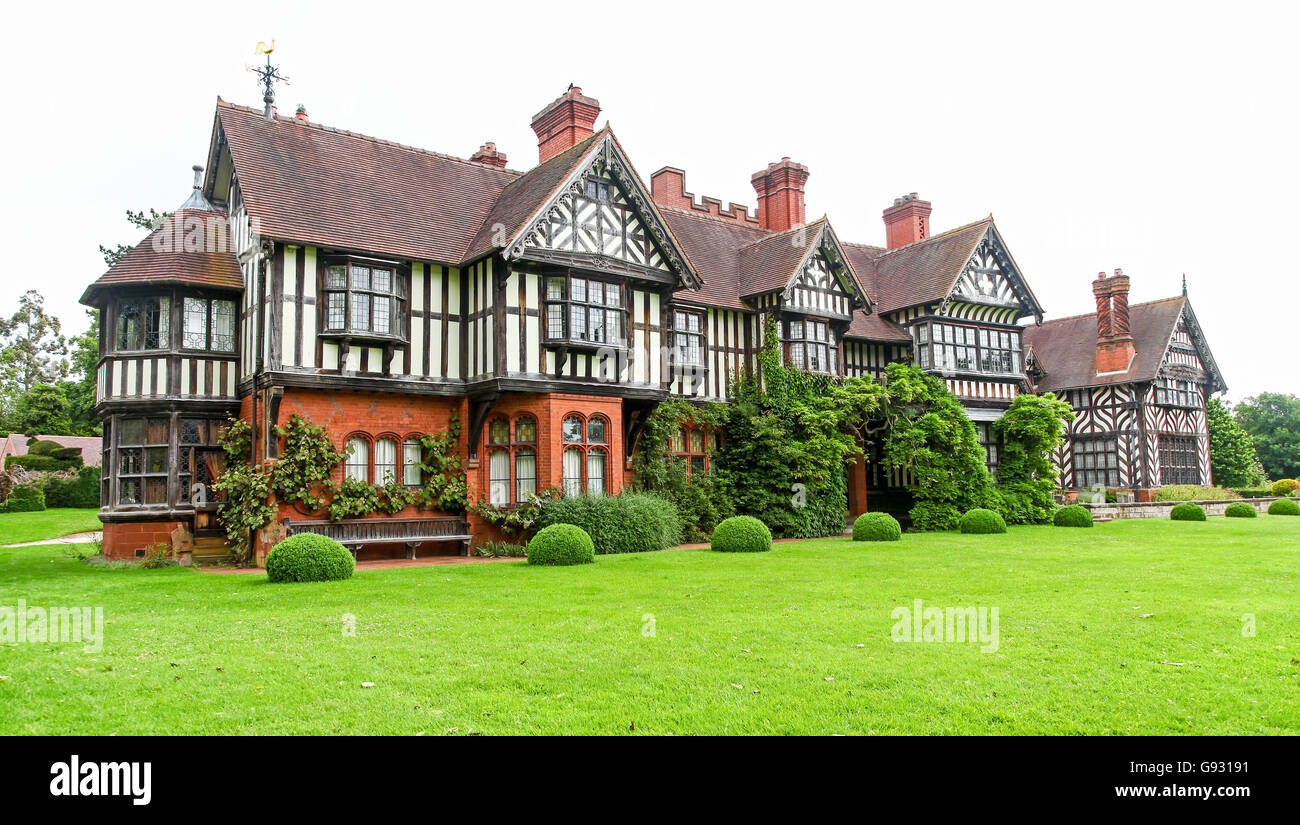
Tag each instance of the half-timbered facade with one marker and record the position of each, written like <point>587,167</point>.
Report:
<point>382,291</point>
<point>1140,403</point>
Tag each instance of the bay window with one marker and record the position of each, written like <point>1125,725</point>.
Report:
<point>1096,462</point>
<point>209,324</point>
<point>967,349</point>
<point>812,346</point>
<point>144,323</point>
<point>364,298</point>
<point>585,310</point>
<point>1175,393</point>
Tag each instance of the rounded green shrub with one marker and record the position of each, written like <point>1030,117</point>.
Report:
<point>1187,512</point>
<point>980,520</point>
<point>308,557</point>
<point>1073,515</point>
<point>1285,486</point>
<point>742,534</point>
<point>561,544</point>
<point>1240,509</point>
<point>1284,507</point>
<point>25,498</point>
<point>38,447</point>
<point>876,527</point>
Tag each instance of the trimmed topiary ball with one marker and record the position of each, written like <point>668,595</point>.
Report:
<point>308,557</point>
<point>742,534</point>
<point>876,527</point>
<point>980,520</point>
<point>561,544</point>
<point>1073,515</point>
<point>1284,507</point>
<point>1240,509</point>
<point>1187,512</point>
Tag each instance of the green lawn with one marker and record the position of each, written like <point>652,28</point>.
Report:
<point>16,528</point>
<point>1130,627</point>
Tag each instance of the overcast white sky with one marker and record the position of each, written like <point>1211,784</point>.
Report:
<point>1157,137</point>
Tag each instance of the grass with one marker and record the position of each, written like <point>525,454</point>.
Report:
<point>16,528</point>
<point>1129,627</point>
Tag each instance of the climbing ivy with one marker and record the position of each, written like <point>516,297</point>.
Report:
<point>306,465</point>
<point>1031,429</point>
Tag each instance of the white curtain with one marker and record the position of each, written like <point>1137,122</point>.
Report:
<point>596,473</point>
<point>358,462</point>
<point>572,471</point>
<point>525,475</point>
<point>385,460</point>
<point>411,463</point>
<point>499,478</point>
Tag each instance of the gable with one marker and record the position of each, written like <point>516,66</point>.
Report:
<point>989,287</point>
<point>595,218</point>
<point>602,217</point>
<point>821,286</point>
<point>1187,354</point>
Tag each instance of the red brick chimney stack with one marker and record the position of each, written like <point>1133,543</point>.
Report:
<point>487,153</point>
<point>780,195</point>
<point>566,122</point>
<point>907,221</point>
<point>1114,338</point>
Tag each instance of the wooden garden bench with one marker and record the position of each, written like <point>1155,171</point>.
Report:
<point>352,533</point>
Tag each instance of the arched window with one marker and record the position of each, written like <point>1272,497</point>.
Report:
<point>596,473</point>
<point>385,461</point>
<point>572,471</point>
<point>596,431</point>
<point>525,475</point>
<point>357,464</point>
<point>412,453</point>
<point>499,478</point>
<point>499,431</point>
<point>572,430</point>
<point>526,430</point>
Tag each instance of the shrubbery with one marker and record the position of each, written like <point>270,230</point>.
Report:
<point>1073,515</point>
<point>1284,507</point>
<point>308,557</point>
<point>1192,492</point>
<point>25,498</point>
<point>1240,509</point>
<point>561,544</point>
<point>981,520</point>
<point>876,527</point>
<point>1187,512</point>
<point>41,463</point>
<point>1285,486</point>
<point>742,534</point>
<point>81,490</point>
<point>626,523</point>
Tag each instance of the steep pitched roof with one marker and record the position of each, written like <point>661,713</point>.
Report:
<point>522,199</point>
<point>1065,348</point>
<point>875,328</point>
<point>920,272</point>
<point>165,257</point>
<point>91,446</point>
<point>313,184</point>
<point>713,246</point>
<point>769,264</point>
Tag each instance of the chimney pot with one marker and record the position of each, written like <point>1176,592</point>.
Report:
<point>1114,339</point>
<point>907,221</point>
<point>487,153</point>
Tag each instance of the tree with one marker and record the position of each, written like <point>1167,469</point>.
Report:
<point>1031,429</point>
<point>84,367</point>
<point>149,222</point>
<point>32,347</point>
<point>1233,460</point>
<point>44,410</point>
<point>1273,421</point>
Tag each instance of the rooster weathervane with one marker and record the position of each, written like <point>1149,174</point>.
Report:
<point>269,76</point>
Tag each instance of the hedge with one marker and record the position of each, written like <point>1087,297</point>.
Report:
<point>1073,515</point>
<point>981,520</point>
<point>41,463</point>
<point>876,527</point>
<point>37,447</point>
<point>1285,486</point>
<point>1187,512</point>
<point>561,544</point>
<point>308,557</point>
<point>79,491</point>
<point>742,534</point>
<point>1284,507</point>
<point>1192,492</point>
<point>1240,509</point>
<point>1254,492</point>
<point>626,523</point>
<point>25,498</point>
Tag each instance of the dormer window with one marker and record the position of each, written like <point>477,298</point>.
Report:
<point>812,346</point>
<point>585,311</point>
<point>365,299</point>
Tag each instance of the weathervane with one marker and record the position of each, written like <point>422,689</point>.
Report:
<point>269,75</point>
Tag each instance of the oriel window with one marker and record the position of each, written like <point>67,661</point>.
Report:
<point>144,323</point>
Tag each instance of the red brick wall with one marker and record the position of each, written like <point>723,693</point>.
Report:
<point>123,539</point>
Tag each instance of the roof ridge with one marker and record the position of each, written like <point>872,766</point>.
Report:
<point>382,141</point>
<point>943,234</point>
<point>1130,306</point>
<point>802,226</point>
